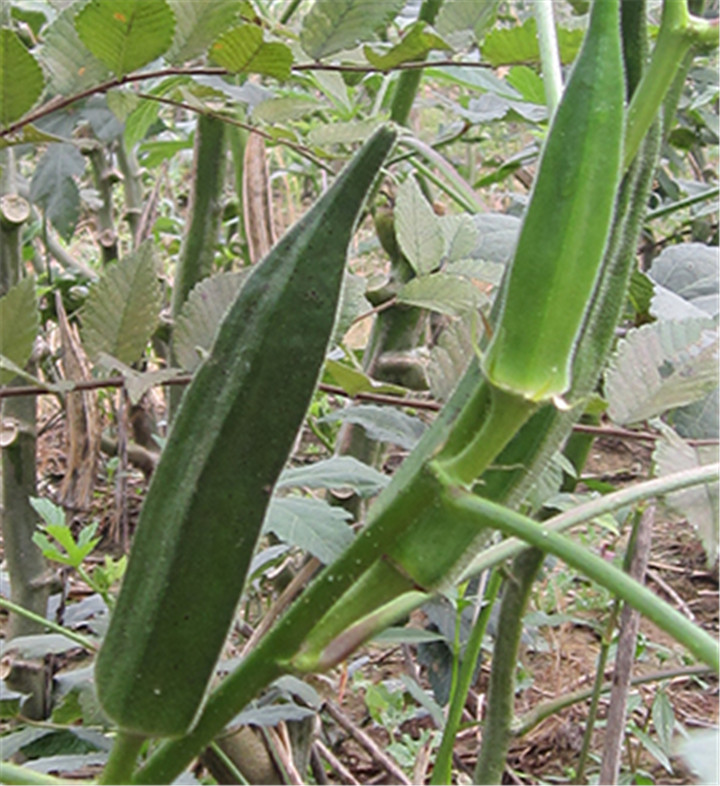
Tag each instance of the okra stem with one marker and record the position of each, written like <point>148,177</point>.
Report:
<point>123,756</point>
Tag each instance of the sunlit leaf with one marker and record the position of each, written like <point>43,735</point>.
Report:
<point>21,78</point>
<point>243,49</point>
<point>126,34</point>
<point>505,46</point>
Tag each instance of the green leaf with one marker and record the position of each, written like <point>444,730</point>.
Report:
<point>418,228</point>
<point>344,133</point>
<point>663,718</point>
<point>137,383</point>
<point>29,135</point>
<point>334,25</point>
<point>698,505</point>
<point>457,16</point>
<point>201,313</point>
<point>48,511</point>
<point>334,473</point>
<point>353,303</point>
<point>126,34</point>
<point>505,46</point>
<point>122,308</point>
<point>417,42</point>
<point>19,322</point>
<point>661,366</point>
<point>280,110</point>
<point>354,381</point>
<point>71,65</point>
<point>449,358</point>
<point>140,119</point>
<point>690,271</point>
<point>53,186</point>
<point>21,78</point>
<point>243,49</point>
<point>461,236</point>
<point>310,524</point>
<point>442,292</point>
<point>528,83</point>
<point>198,25</point>
<point>384,424</point>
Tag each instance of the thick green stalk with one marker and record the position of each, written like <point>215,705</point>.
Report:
<point>501,693</point>
<point>490,514</point>
<point>549,54</point>
<point>121,762</point>
<point>442,771</point>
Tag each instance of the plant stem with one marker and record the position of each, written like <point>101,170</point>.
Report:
<point>24,776</point>
<point>501,693</point>
<point>84,642</point>
<point>123,756</point>
<point>490,514</point>
<point>673,207</point>
<point>442,771</point>
<point>549,55</point>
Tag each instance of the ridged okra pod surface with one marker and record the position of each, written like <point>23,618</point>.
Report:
<point>231,437</point>
<point>566,226</point>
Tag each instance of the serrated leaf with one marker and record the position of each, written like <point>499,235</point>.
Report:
<point>661,366</point>
<point>54,188</point>
<point>126,34</point>
<point>344,133</point>
<point>443,293</point>
<point>310,524</point>
<point>280,110</point>
<point>461,236</point>
<point>505,46</point>
<point>137,383</point>
<point>19,321</point>
<point>333,25</point>
<point>122,308</point>
<point>690,270</point>
<point>48,511</point>
<point>449,358</point>
<point>417,42</point>
<point>197,25</point>
<point>699,505</point>
<point>243,49</point>
<point>21,78</point>
<point>497,236</point>
<point>334,473</point>
<point>456,16</point>
<point>140,119</point>
<point>384,424</point>
<point>201,313</point>
<point>71,65</point>
<point>418,229</point>
<point>528,83</point>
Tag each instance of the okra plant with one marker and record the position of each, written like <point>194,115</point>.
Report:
<point>531,377</point>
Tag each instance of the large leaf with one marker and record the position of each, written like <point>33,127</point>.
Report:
<point>21,78</point>
<point>18,325</point>
<point>384,424</point>
<point>416,44</point>
<point>497,236</point>
<point>290,107</point>
<point>201,313</point>
<point>71,65</point>
<point>418,228</point>
<point>333,25</point>
<point>126,34</point>
<point>460,16</point>
<point>334,473</point>
<point>699,505</point>
<point>198,25</point>
<point>461,236</point>
<point>53,186</point>
<point>449,359</point>
<point>690,271</point>
<point>310,524</point>
<point>659,367</point>
<point>505,46</point>
<point>122,308</point>
<point>243,49</point>
<point>442,292</point>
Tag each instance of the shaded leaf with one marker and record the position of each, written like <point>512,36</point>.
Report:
<point>201,313</point>
<point>243,49</point>
<point>197,25</point>
<point>122,308</point>
<point>456,16</point>
<point>333,25</point>
<point>126,34</point>
<point>21,78</point>
<point>344,133</point>
<point>418,228</point>
<point>384,424</point>
<point>280,110</point>
<point>461,236</point>
<point>497,236</point>
<point>449,358</point>
<point>353,380</point>
<point>137,383</point>
<point>353,303</point>
<point>272,715</point>
<point>442,292</point>
<point>417,42</point>
<point>39,646</point>
<point>661,366</point>
<point>664,720</point>
<point>699,420</point>
<point>71,65</point>
<point>145,114</point>
<point>334,473</point>
<point>690,270</point>
<point>19,321</point>
<point>699,505</point>
<point>54,188</point>
<point>310,524</point>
